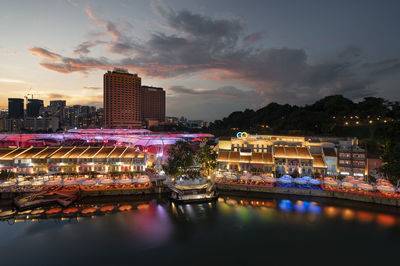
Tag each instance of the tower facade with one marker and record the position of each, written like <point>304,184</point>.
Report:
<point>123,99</point>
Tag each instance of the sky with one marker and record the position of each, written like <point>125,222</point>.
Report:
<point>212,57</point>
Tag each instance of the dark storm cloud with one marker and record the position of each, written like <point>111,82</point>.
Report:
<point>220,48</point>
<point>227,91</point>
<point>254,37</point>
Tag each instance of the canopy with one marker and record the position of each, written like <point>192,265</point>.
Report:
<point>347,185</point>
<point>7,184</point>
<point>25,183</point>
<point>143,179</point>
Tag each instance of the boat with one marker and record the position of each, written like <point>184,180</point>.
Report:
<point>193,193</point>
<point>33,200</point>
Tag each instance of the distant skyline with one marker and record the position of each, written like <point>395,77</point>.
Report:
<point>211,57</point>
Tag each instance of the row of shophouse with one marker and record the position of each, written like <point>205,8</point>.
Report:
<point>289,154</point>
<point>72,160</point>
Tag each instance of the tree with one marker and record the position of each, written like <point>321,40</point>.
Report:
<point>181,157</point>
<point>207,159</point>
<point>391,164</point>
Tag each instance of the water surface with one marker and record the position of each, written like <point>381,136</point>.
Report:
<point>232,231</point>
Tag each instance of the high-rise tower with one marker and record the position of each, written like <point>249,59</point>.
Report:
<point>123,99</point>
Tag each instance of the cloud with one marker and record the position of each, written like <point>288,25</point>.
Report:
<point>220,49</point>
<point>227,91</point>
<point>93,88</point>
<point>8,80</point>
<point>84,47</point>
<point>56,96</point>
<point>254,37</point>
<point>38,51</point>
<point>121,45</point>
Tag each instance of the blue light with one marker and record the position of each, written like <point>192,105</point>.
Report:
<point>286,205</point>
<point>315,209</point>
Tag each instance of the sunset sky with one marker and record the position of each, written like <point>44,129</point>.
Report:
<point>212,57</point>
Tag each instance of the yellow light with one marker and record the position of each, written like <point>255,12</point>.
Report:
<point>370,121</point>
<point>357,122</point>
<point>346,123</point>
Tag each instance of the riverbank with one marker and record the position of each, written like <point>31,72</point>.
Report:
<point>232,188</point>
<point>248,189</point>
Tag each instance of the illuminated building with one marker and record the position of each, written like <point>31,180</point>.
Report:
<point>123,99</point>
<point>352,161</point>
<point>72,160</point>
<point>304,155</point>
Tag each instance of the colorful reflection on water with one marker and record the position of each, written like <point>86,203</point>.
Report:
<point>172,230</point>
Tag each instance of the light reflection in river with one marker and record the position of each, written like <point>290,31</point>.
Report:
<point>220,227</point>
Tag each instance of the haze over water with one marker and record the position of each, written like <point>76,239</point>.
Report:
<point>232,231</point>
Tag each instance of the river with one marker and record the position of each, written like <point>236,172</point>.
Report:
<point>231,231</point>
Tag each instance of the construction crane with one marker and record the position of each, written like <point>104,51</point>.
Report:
<point>30,94</point>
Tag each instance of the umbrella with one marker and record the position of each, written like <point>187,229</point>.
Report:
<point>53,183</point>
<point>37,183</point>
<point>232,177</point>
<point>256,178</point>
<point>270,179</point>
<point>330,182</point>
<point>244,177</point>
<point>69,182</point>
<point>106,181</point>
<point>300,181</point>
<point>89,182</point>
<point>388,189</point>
<point>314,181</point>
<point>125,181</point>
<point>365,186</point>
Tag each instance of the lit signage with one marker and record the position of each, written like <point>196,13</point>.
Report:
<point>242,135</point>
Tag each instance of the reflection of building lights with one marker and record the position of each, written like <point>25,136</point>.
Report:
<point>331,211</point>
<point>365,217</point>
<point>347,214</point>
<point>286,205</point>
<point>143,207</point>
<point>385,219</point>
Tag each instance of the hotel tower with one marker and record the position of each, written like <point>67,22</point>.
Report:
<point>123,98</point>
